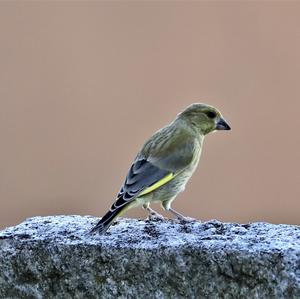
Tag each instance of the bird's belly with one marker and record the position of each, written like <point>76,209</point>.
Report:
<point>172,188</point>
<point>175,186</point>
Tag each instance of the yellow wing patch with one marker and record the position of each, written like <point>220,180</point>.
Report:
<point>158,184</point>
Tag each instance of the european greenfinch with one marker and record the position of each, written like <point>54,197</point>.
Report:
<point>165,163</point>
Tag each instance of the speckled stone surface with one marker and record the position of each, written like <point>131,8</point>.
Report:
<point>55,257</point>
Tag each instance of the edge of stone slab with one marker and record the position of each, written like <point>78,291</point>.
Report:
<point>144,234</point>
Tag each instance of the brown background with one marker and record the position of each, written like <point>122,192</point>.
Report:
<point>82,85</point>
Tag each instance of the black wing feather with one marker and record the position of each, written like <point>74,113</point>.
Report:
<point>141,175</point>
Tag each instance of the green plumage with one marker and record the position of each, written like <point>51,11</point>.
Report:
<point>166,162</point>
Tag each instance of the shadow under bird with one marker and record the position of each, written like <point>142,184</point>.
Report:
<point>165,163</point>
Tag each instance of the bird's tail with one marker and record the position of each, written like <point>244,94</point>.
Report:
<point>106,221</point>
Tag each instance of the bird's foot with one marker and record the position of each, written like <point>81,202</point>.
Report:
<point>180,217</point>
<point>155,217</point>
<point>186,219</point>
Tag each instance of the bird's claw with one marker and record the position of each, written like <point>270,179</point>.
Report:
<point>155,217</point>
<point>186,219</point>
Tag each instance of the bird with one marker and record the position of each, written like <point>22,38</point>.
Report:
<point>164,164</point>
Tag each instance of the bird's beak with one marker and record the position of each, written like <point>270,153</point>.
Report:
<point>222,125</point>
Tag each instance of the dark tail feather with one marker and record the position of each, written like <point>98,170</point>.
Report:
<point>106,221</point>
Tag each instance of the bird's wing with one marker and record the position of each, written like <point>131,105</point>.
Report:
<point>141,175</point>
<point>149,173</point>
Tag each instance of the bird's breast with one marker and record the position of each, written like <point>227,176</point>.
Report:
<point>186,174</point>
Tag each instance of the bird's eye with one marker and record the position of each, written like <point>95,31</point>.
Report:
<point>211,114</point>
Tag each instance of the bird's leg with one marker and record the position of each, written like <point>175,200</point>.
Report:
<point>152,215</point>
<point>167,206</point>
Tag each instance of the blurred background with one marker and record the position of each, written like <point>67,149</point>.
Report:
<point>84,84</point>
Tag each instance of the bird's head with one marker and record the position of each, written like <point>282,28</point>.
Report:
<point>204,117</point>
